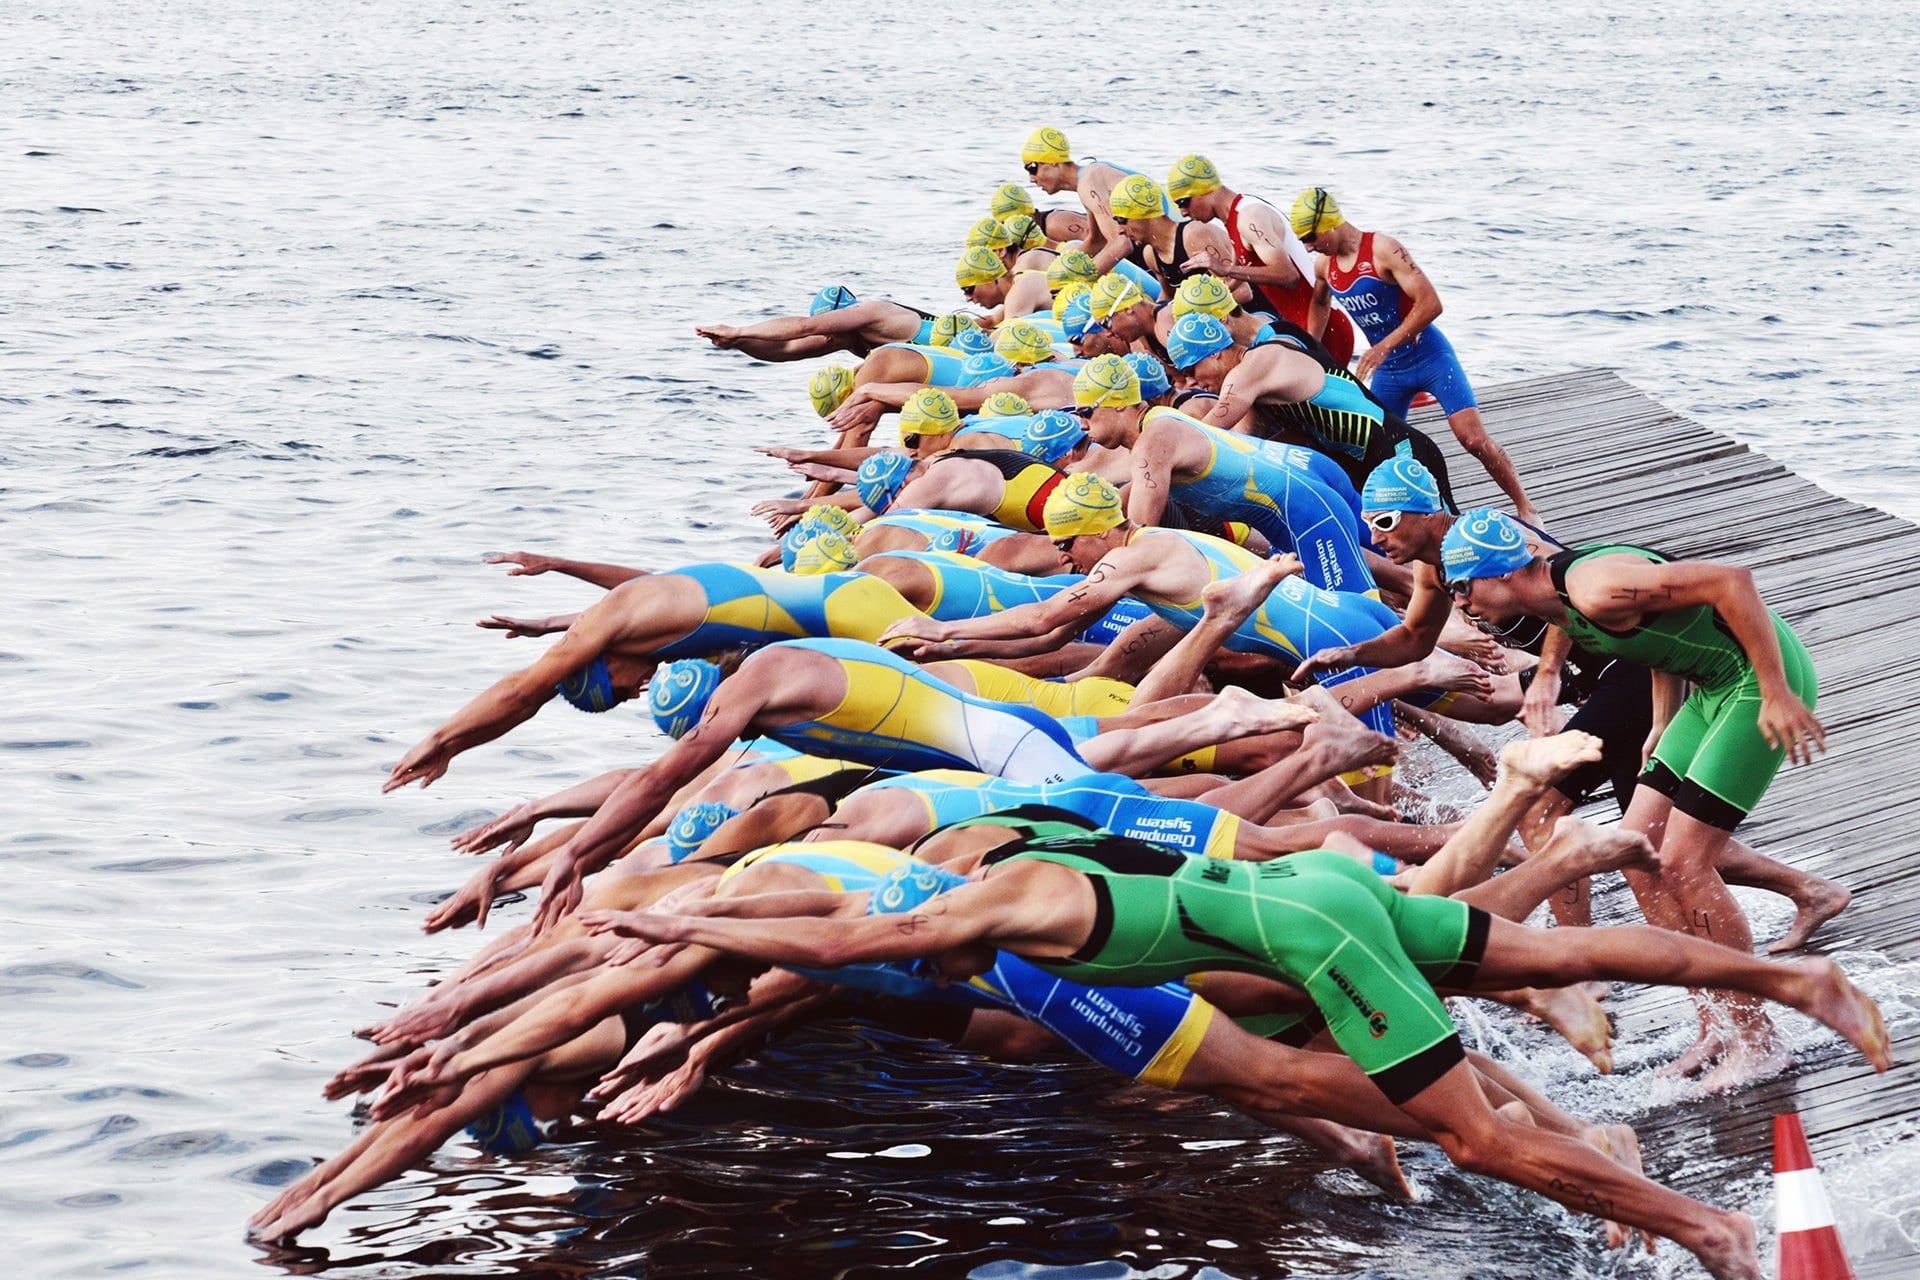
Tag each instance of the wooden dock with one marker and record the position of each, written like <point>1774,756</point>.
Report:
<point>1603,461</point>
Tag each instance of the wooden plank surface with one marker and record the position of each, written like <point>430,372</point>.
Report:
<point>1602,460</point>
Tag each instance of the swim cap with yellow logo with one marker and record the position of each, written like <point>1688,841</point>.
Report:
<point>1204,292</point>
<point>824,553</point>
<point>829,388</point>
<point>1192,176</point>
<point>1004,404</point>
<point>1025,231</point>
<point>990,232</point>
<point>1072,265</point>
<point>1106,382</point>
<point>948,327</point>
<point>1137,196</point>
<point>1082,504</point>
<point>837,519</point>
<point>1010,198</point>
<point>929,412</point>
<point>1022,343</point>
<point>979,265</point>
<point>1064,299</point>
<point>1114,292</point>
<point>1315,211</point>
<point>1046,146</point>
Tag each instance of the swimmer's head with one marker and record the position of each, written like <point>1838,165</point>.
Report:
<point>989,233</point>
<point>950,326</point>
<point>590,688</point>
<point>1052,435</point>
<point>1482,544</point>
<point>835,297</point>
<point>1191,176</point>
<point>1114,293</point>
<point>1021,342</point>
<point>929,412</point>
<point>680,692</point>
<point>1004,404</point>
<point>1136,198</point>
<point>973,342</point>
<point>978,266</point>
<point>1045,146</point>
<point>1074,310</point>
<point>1194,337</point>
<point>1313,212</point>
<point>1010,199</point>
<point>1152,374</point>
<point>881,478</point>
<point>1026,232</point>
<point>1107,382</point>
<point>693,824</point>
<point>829,388</point>
<point>1081,505</point>
<point>1204,292</point>
<point>833,519</point>
<point>1071,266</point>
<point>824,552</point>
<point>793,539</point>
<point>986,367</point>
<point>1401,484</point>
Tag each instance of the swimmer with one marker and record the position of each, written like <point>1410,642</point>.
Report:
<point>836,321</point>
<point>1378,284</point>
<point>1160,244</point>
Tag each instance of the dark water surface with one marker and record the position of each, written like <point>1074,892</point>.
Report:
<point>307,307</point>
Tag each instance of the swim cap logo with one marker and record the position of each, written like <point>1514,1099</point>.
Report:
<point>1376,1020</point>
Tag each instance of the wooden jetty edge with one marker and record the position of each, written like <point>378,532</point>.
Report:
<point>1603,461</point>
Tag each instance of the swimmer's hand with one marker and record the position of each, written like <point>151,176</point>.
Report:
<point>857,411</point>
<point>650,1097</point>
<point>1476,646</point>
<point>822,472</point>
<point>559,892</point>
<point>425,764</point>
<point>422,1084</point>
<point>785,454</point>
<point>471,902</point>
<point>720,335</point>
<point>1208,260</point>
<point>526,564</point>
<point>1540,712</point>
<point>1787,725</point>
<point>413,1027</point>
<point>1320,660</point>
<point>515,627</point>
<point>369,1073</point>
<point>914,637</point>
<point>659,1049</point>
<point>781,513</point>
<point>510,829</point>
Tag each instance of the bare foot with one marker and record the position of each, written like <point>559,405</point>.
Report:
<point>1700,1055</point>
<point>1825,900</point>
<point>1376,1160</point>
<point>1728,1249</point>
<point>1577,1016</point>
<point>1747,1061</point>
<point>1233,600</point>
<point>1833,999</point>
<point>1342,798</point>
<point>1243,714</point>
<point>1442,670</point>
<point>1542,761</point>
<point>1590,850</point>
<point>1621,1144</point>
<point>1346,742</point>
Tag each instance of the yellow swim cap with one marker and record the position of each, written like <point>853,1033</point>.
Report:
<point>825,552</point>
<point>1083,503</point>
<point>1004,404</point>
<point>829,388</point>
<point>1074,264</point>
<point>979,265</point>
<point>1114,292</point>
<point>949,327</point>
<point>1025,231</point>
<point>1192,176</point>
<point>1073,289</point>
<point>1315,211</point>
<point>1137,196</point>
<point>1046,146</point>
<point>989,232</point>
<point>1106,382</point>
<point>929,412</point>
<point>837,519</point>
<point>1010,198</point>
<point>1022,342</point>
<point>1204,292</point>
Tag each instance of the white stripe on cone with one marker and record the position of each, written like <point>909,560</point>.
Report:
<point>1801,1202</point>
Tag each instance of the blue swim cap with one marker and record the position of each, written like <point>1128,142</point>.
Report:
<point>1196,335</point>
<point>1052,434</point>
<point>1076,318</point>
<point>1401,484</point>
<point>693,824</point>
<point>1483,544</point>
<point>1152,374</point>
<point>880,477</point>
<point>834,297</point>
<point>905,888</point>
<point>590,688</point>
<point>985,367</point>
<point>793,539</point>
<point>508,1129</point>
<point>680,692</point>
<point>972,342</point>
<point>688,1002</point>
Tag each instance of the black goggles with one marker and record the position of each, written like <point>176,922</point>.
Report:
<point>1032,168</point>
<point>1460,586</point>
<point>1063,545</point>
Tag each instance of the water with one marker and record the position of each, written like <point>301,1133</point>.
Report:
<point>308,307</point>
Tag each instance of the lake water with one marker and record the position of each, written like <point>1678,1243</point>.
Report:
<point>307,307</point>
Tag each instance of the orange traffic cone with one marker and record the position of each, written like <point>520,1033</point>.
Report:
<point>1809,1245</point>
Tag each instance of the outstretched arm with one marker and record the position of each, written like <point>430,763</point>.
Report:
<point>1409,640</point>
<point>527,564</point>
<point>1103,588</point>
